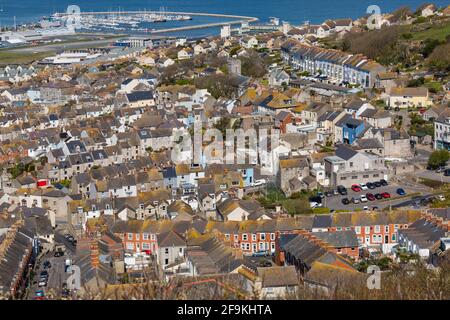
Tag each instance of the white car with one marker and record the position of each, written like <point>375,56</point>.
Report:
<point>441,197</point>
<point>366,208</point>
<point>315,205</point>
<point>363,198</point>
<point>363,186</point>
<point>260,182</point>
<point>42,283</point>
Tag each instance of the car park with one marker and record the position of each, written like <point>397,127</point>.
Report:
<point>345,201</point>
<point>370,196</point>
<point>378,196</point>
<point>401,192</point>
<point>363,186</point>
<point>363,198</point>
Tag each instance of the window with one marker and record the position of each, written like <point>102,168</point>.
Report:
<point>394,237</point>
<point>386,229</point>
<point>254,237</point>
<point>227,236</point>
<point>272,236</point>
<point>254,249</point>
<point>262,236</point>
<point>137,236</point>
<point>145,246</point>
<point>351,164</point>
<point>181,250</point>
<point>166,250</point>
<point>236,238</point>
<point>130,246</point>
<point>367,230</point>
<point>145,236</point>
<point>152,237</point>
<point>272,246</point>
<point>357,230</point>
<point>130,236</point>
<point>244,237</point>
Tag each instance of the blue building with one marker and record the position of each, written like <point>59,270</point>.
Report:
<point>352,128</point>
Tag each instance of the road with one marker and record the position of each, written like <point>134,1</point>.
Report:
<point>57,275</point>
<point>335,202</point>
<point>432,175</point>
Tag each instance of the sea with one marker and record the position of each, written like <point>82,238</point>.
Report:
<point>295,12</point>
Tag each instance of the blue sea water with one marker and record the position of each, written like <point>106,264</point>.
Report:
<point>293,11</point>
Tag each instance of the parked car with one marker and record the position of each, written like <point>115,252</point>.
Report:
<point>447,172</point>
<point>314,204</point>
<point>378,196</point>
<point>345,201</point>
<point>39,293</point>
<point>259,182</point>
<point>365,208</point>
<point>370,196</point>
<point>440,197</point>
<point>370,185</point>
<point>386,195</point>
<point>42,283</point>
<point>342,190</point>
<point>363,186</point>
<point>383,182</point>
<point>356,188</point>
<point>355,200</point>
<point>320,194</point>
<point>374,208</point>
<point>329,193</point>
<point>335,192</point>
<point>58,254</point>
<point>440,169</point>
<point>315,199</point>
<point>363,198</point>
<point>47,264</point>
<point>401,191</point>
<point>377,184</point>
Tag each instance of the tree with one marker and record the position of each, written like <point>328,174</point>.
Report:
<point>438,158</point>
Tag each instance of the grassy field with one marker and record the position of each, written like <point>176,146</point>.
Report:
<point>9,57</point>
<point>438,32</point>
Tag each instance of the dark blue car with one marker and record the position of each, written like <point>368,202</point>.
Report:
<point>401,192</point>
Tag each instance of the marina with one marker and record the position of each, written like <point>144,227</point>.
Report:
<point>141,21</point>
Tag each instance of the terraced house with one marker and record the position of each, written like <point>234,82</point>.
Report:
<point>338,66</point>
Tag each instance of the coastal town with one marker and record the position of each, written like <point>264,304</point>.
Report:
<point>271,161</point>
